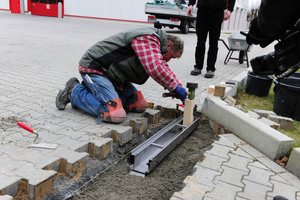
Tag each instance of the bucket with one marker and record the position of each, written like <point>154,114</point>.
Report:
<point>258,85</point>
<point>287,97</point>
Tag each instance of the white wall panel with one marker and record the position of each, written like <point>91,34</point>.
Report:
<point>4,4</point>
<point>113,9</point>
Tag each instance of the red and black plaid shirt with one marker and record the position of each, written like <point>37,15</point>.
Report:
<point>147,49</point>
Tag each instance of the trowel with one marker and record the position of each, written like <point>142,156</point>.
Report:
<point>36,145</point>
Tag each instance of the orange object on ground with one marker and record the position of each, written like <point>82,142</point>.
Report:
<point>116,113</point>
<point>140,104</point>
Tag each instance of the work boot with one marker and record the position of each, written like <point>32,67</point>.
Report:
<point>64,96</point>
<point>140,104</point>
<point>209,74</point>
<point>116,113</point>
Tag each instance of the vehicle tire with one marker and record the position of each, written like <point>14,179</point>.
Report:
<point>157,25</point>
<point>184,26</point>
<point>241,57</point>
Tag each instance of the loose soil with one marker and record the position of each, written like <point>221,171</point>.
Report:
<point>161,183</point>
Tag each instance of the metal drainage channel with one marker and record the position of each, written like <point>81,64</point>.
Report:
<point>144,158</point>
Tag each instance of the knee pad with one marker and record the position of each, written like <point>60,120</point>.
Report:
<point>139,103</point>
<point>116,113</point>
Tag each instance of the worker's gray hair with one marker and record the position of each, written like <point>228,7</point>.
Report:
<point>178,43</point>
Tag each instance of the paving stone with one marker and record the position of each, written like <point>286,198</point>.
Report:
<point>225,142</point>
<point>287,191</point>
<point>270,123</point>
<point>285,122</point>
<point>242,153</point>
<point>264,113</point>
<point>72,144</point>
<point>219,150</point>
<point>233,138</point>
<point>257,164</point>
<point>120,134</point>
<point>292,179</point>
<point>203,175</point>
<point>238,162</point>
<point>252,151</point>
<point>152,115</point>
<point>9,184</point>
<point>223,191</point>
<point>271,165</point>
<point>192,191</point>
<point>254,190</point>
<point>13,151</point>
<point>231,176</point>
<point>38,159</point>
<point>7,164</point>
<point>259,176</point>
<point>278,178</point>
<point>212,162</point>
<point>98,130</point>
<point>33,174</point>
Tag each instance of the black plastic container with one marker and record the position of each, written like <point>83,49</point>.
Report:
<point>258,85</point>
<point>287,97</point>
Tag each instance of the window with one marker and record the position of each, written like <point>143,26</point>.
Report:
<point>35,1</point>
<point>43,1</point>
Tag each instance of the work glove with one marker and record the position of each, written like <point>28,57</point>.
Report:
<point>255,36</point>
<point>180,93</point>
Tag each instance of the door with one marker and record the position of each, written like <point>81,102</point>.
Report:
<point>15,6</point>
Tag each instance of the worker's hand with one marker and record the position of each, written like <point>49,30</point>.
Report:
<point>190,10</point>
<point>227,15</point>
<point>255,36</point>
<point>180,93</point>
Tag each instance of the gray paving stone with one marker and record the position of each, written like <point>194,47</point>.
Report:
<point>252,151</point>
<point>38,159</point>
<point>259,176</point>
<point>278,178</point>
<point>9,183</point>
<point>219,150</point>
<point>284,190</point>
<point>212,162</point>
<point>203,175</point>
<point>7,164</point>
<point>292,179</point>
<point>254,190</point>
<point>257,164</point>
<point>192,191</point>
<point>120,134</point>
<point>242,153</point>
<point>238,162</point>
<point>225,142</point>
<point>72,144</point>
<point>271,165</point>
<point>13,151</point>
<point>231,176</point>
<point>33,174</point>
<point>223,191</point>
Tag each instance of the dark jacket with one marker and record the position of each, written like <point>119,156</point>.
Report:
<point>214,4</point>
<point>277,16</point>
<point>115,57</point>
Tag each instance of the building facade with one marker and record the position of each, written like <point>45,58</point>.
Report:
<point>129,10</point>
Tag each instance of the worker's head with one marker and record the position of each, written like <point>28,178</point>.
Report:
<point>175,47</point>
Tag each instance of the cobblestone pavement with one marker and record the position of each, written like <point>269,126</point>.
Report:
<point>39,54</point>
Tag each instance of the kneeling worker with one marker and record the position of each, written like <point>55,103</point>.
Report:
<point>109,68</point>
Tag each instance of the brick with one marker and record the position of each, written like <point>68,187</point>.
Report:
<point>264,113</point>
<point>285,122</point>
<point>223,191</point>
<point>153,116</point>
<point>254,190</point>
<point>120,134</point>
<point>259,176</point>
<point>9,184</point>
<point>219,91</point>
<point>270,123</point>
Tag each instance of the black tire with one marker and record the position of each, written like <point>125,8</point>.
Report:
<point>241,57</point>
<point>184,26</point>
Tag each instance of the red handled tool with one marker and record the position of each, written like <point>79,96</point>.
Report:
<point>30,129</point>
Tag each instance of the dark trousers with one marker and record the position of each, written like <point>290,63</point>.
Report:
<point>208,22</point>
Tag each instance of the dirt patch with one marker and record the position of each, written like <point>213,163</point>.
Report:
<point>162,182</point>
<point>8,122</point>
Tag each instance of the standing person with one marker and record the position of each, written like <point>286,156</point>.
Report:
<point>109,68</point>
<point>210,16</point>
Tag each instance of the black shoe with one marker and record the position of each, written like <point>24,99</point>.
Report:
<point>64,96</point>
<point>195,72</point>
<point>209,74</point>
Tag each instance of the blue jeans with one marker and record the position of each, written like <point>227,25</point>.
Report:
<point>85,98</point>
